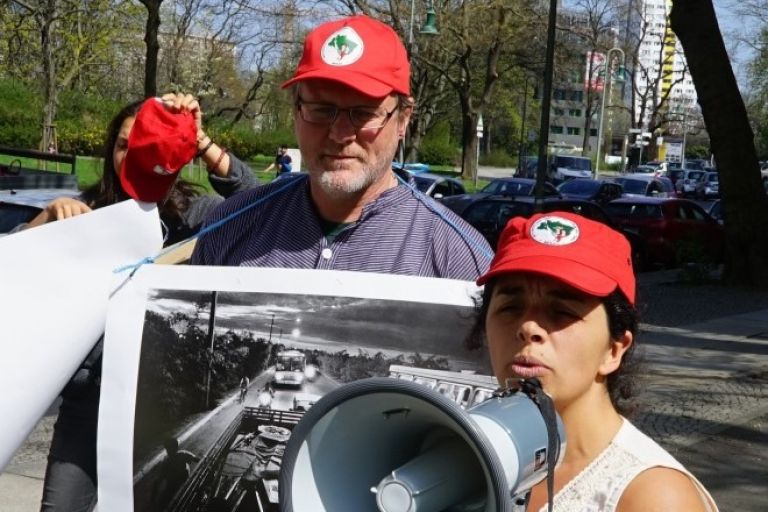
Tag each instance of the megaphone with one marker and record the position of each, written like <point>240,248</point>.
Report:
<point>397,446</point>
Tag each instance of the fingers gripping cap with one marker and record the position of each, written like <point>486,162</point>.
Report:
<point>359,52</point>
<point>582,253</point>
<point>160,144</point>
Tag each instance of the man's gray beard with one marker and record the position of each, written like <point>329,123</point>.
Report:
<point>344,188</point>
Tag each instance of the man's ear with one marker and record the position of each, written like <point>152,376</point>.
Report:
<point>615,353</point>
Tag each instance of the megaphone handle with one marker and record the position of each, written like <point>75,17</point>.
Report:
<point>532,388</point>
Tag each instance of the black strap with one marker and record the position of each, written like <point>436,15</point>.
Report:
<point>532,388</point>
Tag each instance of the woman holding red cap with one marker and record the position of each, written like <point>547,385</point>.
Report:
<point>70,479</point>
<point>558,305</point>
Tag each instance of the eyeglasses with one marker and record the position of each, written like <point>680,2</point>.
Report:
<point>362,118</point>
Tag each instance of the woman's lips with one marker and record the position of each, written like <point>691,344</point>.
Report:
<point>528,367</point>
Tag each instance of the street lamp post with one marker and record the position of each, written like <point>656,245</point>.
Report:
<point>606,89</point>
<point>429,28</point>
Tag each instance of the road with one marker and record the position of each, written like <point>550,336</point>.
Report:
<point>201,433</point>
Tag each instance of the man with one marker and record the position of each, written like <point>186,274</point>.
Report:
<point>282,161</point>
<point>351,108</point>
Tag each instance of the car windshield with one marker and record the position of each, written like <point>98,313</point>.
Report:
<point>713,178</point>
<point>695,175</point>
<point>634,186</point>
<point>582,164</point>
<point>422,183</point>
<point>585,187</point>
<point>634,211</point>
<point>507,187</point>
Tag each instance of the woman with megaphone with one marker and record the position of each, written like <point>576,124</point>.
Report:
<point>559,306</point>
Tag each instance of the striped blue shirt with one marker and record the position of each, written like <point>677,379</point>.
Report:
<point>396,234</point>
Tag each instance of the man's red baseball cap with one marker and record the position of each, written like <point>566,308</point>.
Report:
<point>359,52</point>
<point>580,252</point>
<point>160,144</point>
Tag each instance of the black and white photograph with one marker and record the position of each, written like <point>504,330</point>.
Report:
<point>224,373</point>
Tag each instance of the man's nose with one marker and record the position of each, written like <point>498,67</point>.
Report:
<point>342,129</point>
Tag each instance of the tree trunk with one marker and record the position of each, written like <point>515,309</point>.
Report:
<point>153,47</point>
<point>469,143</point>
<point>744,200</point>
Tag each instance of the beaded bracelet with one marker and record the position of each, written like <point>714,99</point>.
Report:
<point>215,166</point>
<point>203,151</point>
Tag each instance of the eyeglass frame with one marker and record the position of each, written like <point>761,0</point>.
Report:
<point>337,110</point>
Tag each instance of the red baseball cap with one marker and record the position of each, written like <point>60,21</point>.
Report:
<point>359,52</point>
<point>580,252</point>
<point>160,144</point>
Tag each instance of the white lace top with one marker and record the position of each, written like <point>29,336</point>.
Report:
<point>599,486</point>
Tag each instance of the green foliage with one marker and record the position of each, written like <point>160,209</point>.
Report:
<point>498,158</point>
<point>245,143</point>
<point>437,149</point>
<point>696,151</point>
<point>19,114</point>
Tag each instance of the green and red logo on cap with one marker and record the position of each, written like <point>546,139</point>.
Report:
<point>552,230</point>
<point>342,48</point>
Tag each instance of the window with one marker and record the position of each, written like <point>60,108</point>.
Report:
<point>593,132</point>
<point>558,112</point>
<point>576,95</point>
<point>556,129</point>
<point>574,112</point>
<point>572,130</point>
<point>559,94</point>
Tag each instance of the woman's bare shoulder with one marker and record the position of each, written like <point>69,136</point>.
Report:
<point>661,489</point>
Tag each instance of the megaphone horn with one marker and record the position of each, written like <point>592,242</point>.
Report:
<point>396,446</point>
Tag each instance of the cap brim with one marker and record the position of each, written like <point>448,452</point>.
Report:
<point>575,274</point>
<point>141,186</point>
<point>360,82</point>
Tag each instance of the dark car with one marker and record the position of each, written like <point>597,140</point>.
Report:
<point>646,185</point>
<point>670,227</point>
<point>20,206</point>
<point>716,211</point>
<point>437,186</point>
<point>507,187</point>
<point>599,191</point>
<point>489,215</point>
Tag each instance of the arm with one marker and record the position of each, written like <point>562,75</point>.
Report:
<point>60,208</point>
<point>239,177</point>
<point>661,489</point>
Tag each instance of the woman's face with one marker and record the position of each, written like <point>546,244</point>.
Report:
<point>121,143</point>
<point>540,327</point>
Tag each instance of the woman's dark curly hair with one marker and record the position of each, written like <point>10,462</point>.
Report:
<point>108,190</point>
<point>622,316</point>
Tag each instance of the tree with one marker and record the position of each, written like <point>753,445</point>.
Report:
<point>732,140</point>
<point>153,47</point>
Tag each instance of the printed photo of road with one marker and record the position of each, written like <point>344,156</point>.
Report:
<point>225,376</point>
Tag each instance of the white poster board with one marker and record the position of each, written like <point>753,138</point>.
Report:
<point>170,371</point>
<point>56,280</point>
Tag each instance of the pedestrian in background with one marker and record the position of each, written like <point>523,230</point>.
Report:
<point>282,162</point>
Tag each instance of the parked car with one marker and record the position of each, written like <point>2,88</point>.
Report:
<point>489,215</point>
<point>646,185</point>
<point>675,174</point>
<point>764,176</point>
<point>517,187</point>
<point>645,169</point>
<point>506,187</point>
<point>669,226</point>
<point>599,191</point>
<point>20,206</point>
<point>716,211</point>
<point>708,186</point>
<point>437,186</point>
<point>686,185</point>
